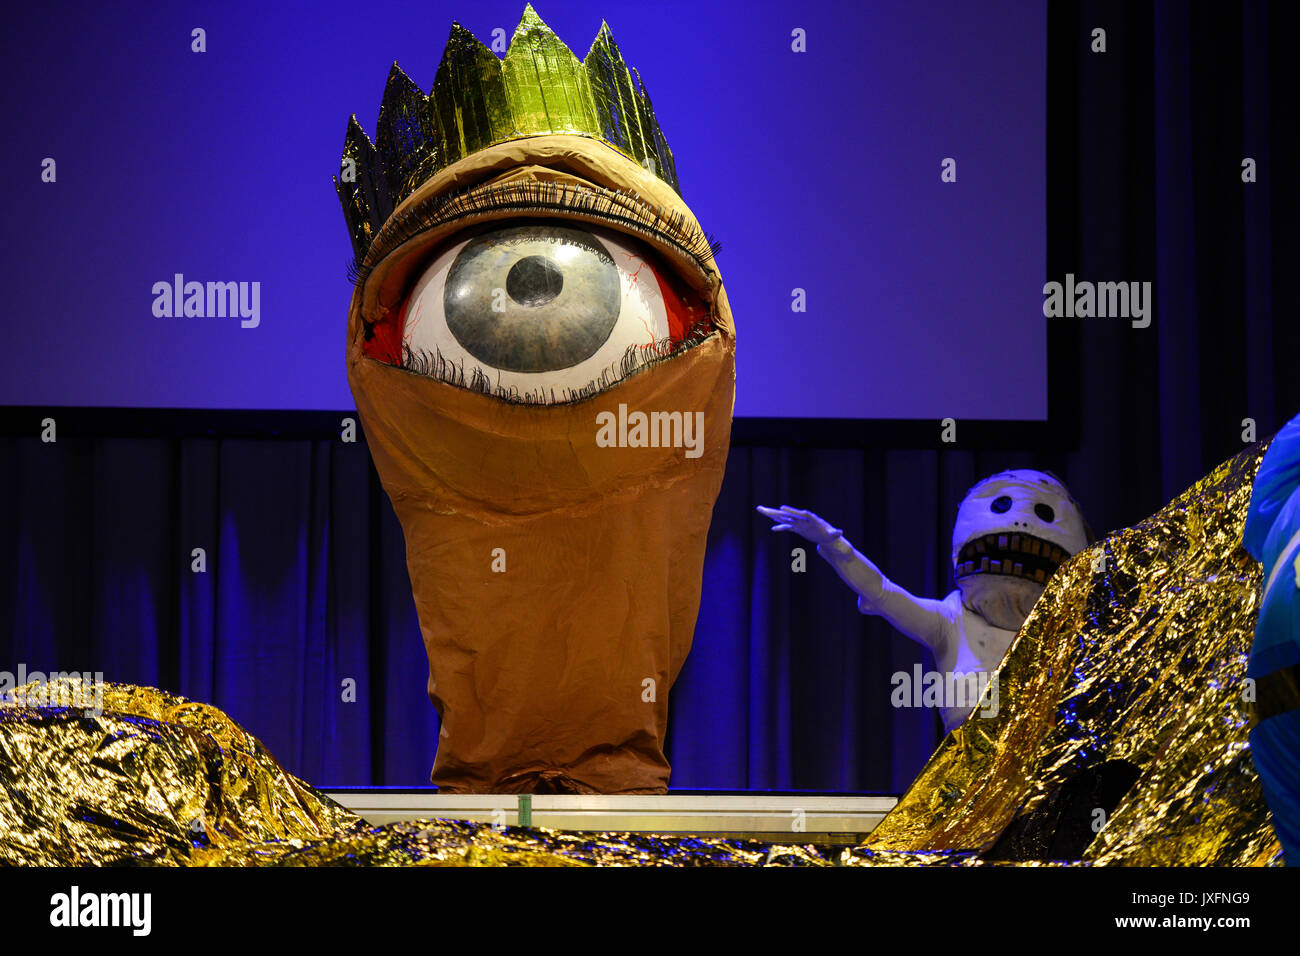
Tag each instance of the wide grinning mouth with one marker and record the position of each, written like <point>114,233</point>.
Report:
<point>1016,554</point>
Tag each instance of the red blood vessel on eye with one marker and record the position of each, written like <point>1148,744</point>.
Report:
<point>684,307</point>
<point>385,342</point>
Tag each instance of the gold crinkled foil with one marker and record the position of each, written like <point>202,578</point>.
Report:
<point>1122,709</point>
<point>147,777</point>
<point>1123,693</point>
<point>153,778</point>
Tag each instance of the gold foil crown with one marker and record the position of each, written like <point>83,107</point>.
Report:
<point>479,100</point>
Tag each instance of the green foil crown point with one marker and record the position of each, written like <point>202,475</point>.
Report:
<point>479,100</point>
<point>468,100</point>
<point>546,84</point>
<point>406,137</point>
<point>361,185</point>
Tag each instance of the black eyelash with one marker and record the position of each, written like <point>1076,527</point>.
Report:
<point>635,359</point>
<point>615,206</point>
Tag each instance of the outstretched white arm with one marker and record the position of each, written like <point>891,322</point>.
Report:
<point>921,619</point>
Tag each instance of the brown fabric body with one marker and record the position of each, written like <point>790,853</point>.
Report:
<point>539,674</point>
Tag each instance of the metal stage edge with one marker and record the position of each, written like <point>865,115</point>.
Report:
<point>774,818</point>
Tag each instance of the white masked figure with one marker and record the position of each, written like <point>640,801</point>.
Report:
<point>1013,531</point>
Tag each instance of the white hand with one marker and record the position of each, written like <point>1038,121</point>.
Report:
<point>804,523</point>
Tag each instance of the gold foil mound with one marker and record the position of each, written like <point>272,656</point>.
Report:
<point>153,778</point>
<point>1121,731</point>
<point>1120,735</point>
<point>145,777</point>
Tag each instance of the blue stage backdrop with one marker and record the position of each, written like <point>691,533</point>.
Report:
<point>818,171</point>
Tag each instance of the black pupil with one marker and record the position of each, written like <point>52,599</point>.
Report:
<point>1045,512</point>
<point>1000,505</point>
<point>534,281</point>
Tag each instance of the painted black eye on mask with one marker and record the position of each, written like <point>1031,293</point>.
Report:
<point>1045,512</point>
<point>1000,505</point>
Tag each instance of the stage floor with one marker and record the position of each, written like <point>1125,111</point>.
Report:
<point>774,818</point>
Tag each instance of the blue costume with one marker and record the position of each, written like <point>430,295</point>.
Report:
<point>1272,536</point>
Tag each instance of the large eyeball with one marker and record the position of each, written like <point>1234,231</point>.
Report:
<point>542,310</point>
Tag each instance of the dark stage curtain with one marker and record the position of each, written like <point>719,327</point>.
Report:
<point>787,687</point>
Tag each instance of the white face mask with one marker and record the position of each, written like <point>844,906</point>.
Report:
<point>1012,532</point>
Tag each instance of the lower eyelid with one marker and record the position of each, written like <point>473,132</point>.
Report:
<point>436,366</point>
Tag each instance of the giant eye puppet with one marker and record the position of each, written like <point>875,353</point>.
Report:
<point>1013,530</point>
<point>542,356</point>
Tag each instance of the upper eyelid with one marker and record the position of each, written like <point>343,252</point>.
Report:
<point>614,207</point>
